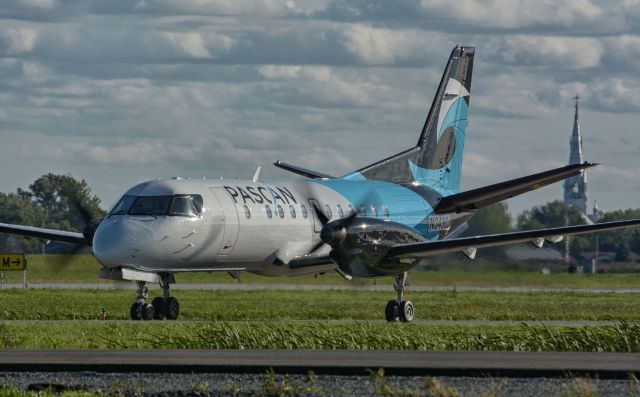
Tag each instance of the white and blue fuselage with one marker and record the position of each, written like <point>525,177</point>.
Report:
<point>174,225</point>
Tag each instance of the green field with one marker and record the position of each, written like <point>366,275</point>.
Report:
<point>316,335</point>
<point>268,305</point>
<point>298,319</point>
<point>84,269</point>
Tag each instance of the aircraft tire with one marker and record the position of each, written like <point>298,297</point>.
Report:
<point>136,311</point>
<point>147,312</point>
<point>407,311</point>
<point>172,309</point>
<point>158,308</point>
<point>391,311</point>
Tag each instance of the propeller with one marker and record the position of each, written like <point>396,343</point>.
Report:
<point>90,224</point>
<point>334,234</point>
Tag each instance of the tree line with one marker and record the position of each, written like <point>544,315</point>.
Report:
<point>52,201</point>
<point>496,219</point>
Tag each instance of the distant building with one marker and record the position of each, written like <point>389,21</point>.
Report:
<point>575,188</point>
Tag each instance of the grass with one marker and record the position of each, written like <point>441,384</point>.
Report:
<point>623,337</point>
<point>268,305</point>
<point>84,269</point>
<point>297,320</point>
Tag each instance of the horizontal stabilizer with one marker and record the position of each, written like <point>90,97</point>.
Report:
<point>447,246</point>
<point>473,200</point>
<point>302,171</point>
<point>44,234</point>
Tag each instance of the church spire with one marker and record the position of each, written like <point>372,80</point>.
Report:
<point>575,155</point>
<point>575,188</point>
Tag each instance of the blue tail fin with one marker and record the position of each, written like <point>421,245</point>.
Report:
<point>436,160</point>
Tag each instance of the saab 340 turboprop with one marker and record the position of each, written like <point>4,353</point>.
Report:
<point>380,220</point>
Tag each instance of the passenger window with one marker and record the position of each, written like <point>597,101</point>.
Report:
<point>352,211</point>
<point>340,211</point>
<point>280,211</point>
<point>362,211</point>
<point>385,211</point>
<point>374,211</point>
<point>247,211</point>
<point>267,209</point>
<point>303,209</point>
<point>292,210</point>
<point>183,206</point>
<point>327,211</point>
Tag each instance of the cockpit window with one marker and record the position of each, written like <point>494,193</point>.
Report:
<point>150,205</point>
<point>181,205</point>
<point>123,206</point>
<point>186,206</point>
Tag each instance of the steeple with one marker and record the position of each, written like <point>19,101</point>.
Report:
<point>575,188</point>
<point>575,156</point>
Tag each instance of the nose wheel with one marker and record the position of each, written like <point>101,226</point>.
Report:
<point>160,307</point>
<point>140,310</point>
<point>400,309</point>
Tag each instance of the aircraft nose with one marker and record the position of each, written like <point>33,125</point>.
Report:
<point>118,241</point>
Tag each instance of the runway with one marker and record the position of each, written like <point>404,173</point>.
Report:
<point>336,362</point>
<point>322,287</point>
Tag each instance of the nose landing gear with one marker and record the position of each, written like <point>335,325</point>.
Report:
<point>399,309</point>
<point>160,307</point>
<point>140,310</point>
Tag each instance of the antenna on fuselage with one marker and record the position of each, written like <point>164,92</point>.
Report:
<point>257,175</point>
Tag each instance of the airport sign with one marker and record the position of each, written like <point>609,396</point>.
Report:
<point>12,262</point>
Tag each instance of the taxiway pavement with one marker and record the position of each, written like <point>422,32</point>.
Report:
<point>320,287</point>
<point>343,362</point>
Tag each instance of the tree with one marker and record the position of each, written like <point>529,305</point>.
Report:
<point>63,199</point>
<point>556,214</point>
<point>492,219</point>
<point>552,214</point>
<point>52,201</point>
<point>18,209</point>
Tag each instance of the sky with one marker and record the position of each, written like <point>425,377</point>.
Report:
<point>120,91</point>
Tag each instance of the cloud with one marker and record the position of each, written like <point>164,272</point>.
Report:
<point>515,13</point>
<point>376,46</point>
<point>261,8</point>
<point>547,51</point>
<point>17,41</point>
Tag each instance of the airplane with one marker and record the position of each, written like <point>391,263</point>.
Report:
<point>380,220</point>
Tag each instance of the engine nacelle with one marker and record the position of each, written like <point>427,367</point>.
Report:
<point>360,245</point>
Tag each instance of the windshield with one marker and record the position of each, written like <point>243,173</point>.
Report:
<point>123,206</point>
<point>181,205</point>
<point>186,205</point>
<point>150,205</point>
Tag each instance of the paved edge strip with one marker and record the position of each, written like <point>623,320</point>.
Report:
<point>324,370</point>
<point>338,362</point>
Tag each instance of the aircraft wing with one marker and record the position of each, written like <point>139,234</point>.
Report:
<point>477,198</point>
<point>468,245</point>
<point>535,236</point>
<point>302,171</point>
<point>44,234</point>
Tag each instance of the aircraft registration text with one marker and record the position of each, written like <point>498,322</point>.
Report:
<point>439,222</point>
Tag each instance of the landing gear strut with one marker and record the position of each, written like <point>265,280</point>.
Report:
<point>166,306</point>
<point>399,309</point>
<point>141,310</point>
<point>161,307</point>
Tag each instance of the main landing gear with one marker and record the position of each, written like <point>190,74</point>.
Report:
<point>399,309</point>
<point>161,307</point>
